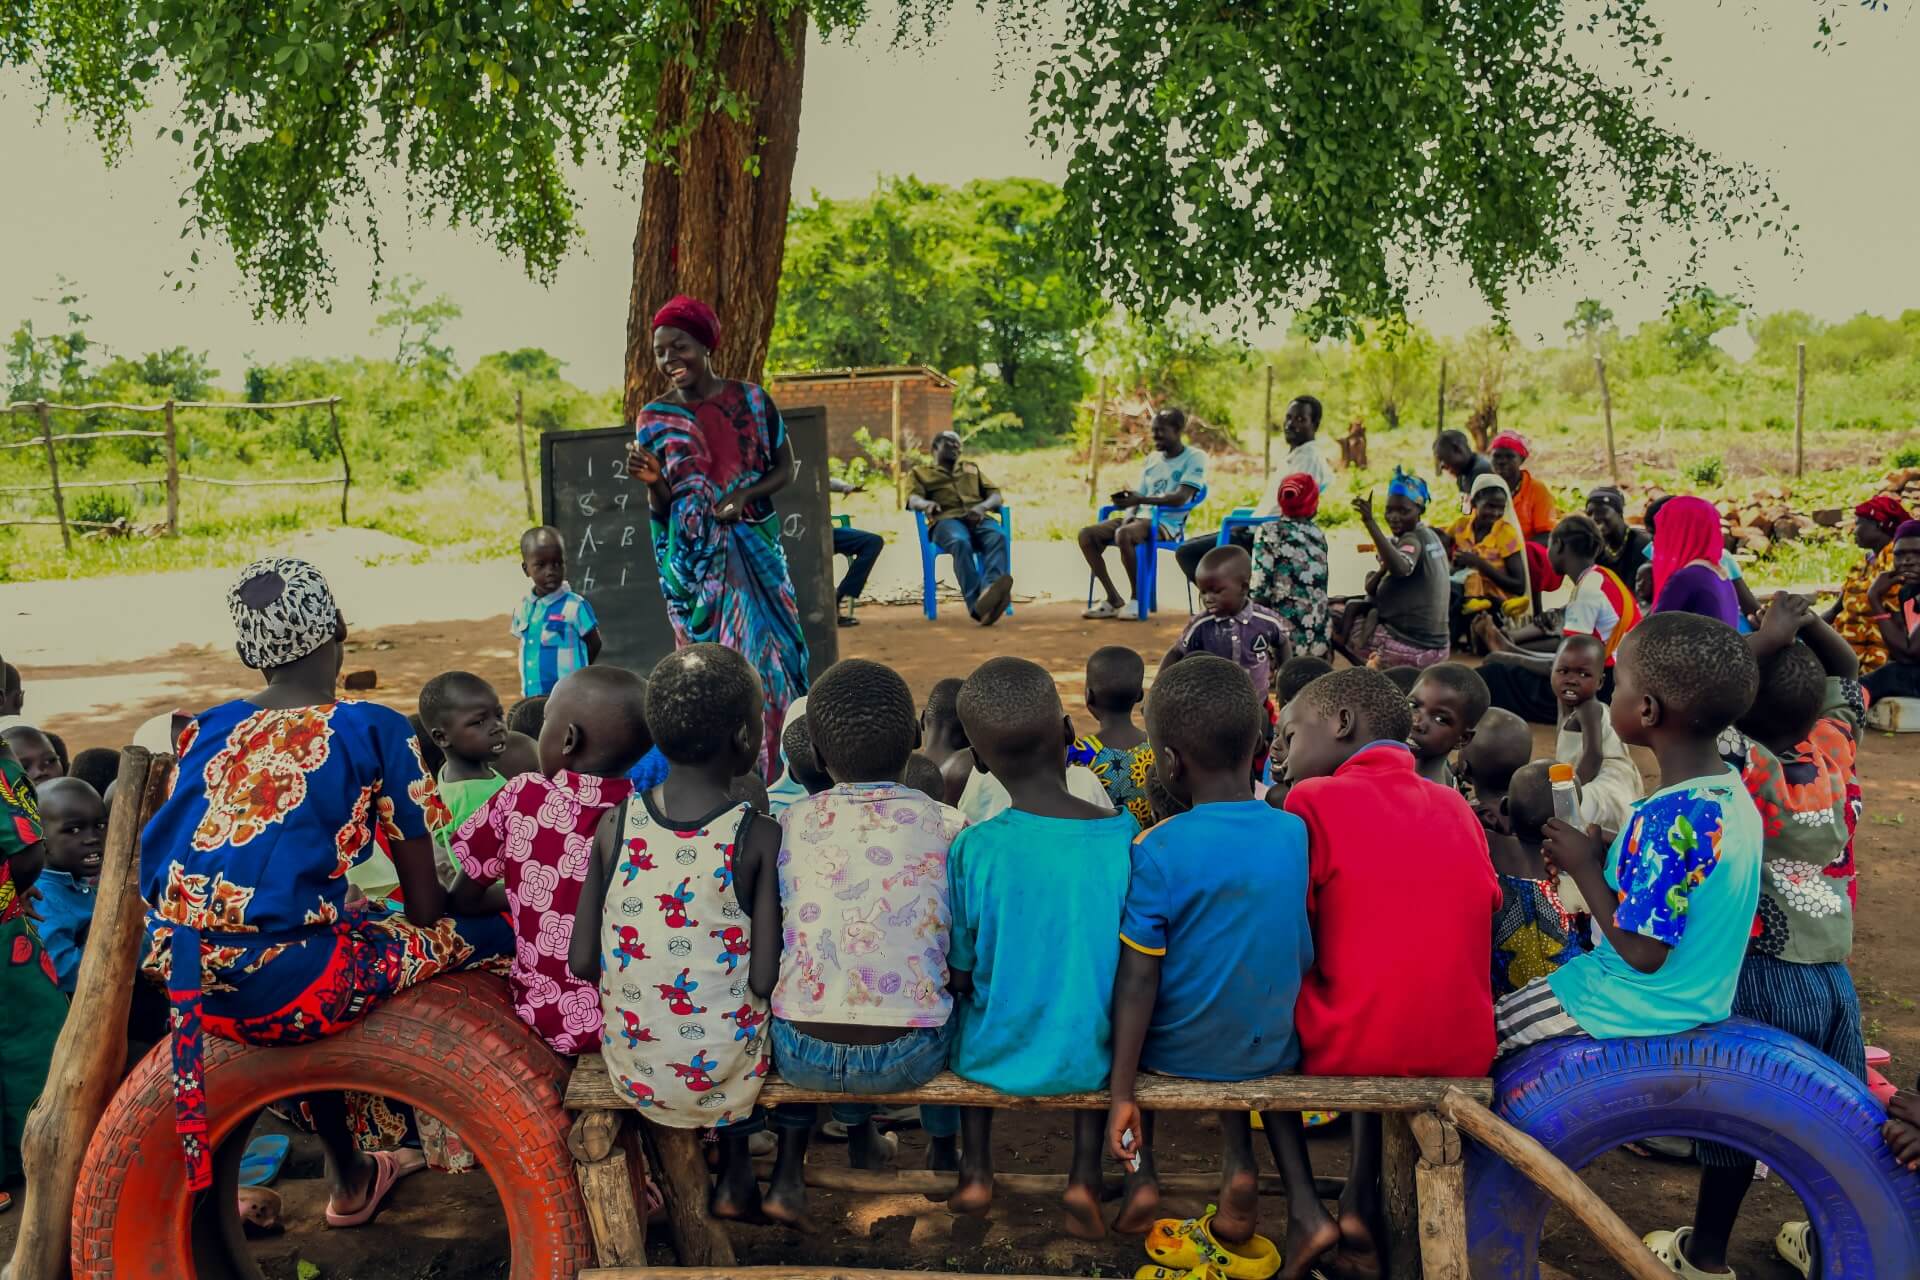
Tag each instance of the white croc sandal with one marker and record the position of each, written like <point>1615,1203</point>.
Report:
<point>1795,1244</point>
<point>1670,1248</point>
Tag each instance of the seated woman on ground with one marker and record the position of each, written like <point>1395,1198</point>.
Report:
<point>1489,559</point>
<point>1895,599</point>
<point>244,871</point>
<point>1402,622</point>
<point>1875,522</point>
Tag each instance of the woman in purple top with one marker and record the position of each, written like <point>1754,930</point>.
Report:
<point>1687,577</point>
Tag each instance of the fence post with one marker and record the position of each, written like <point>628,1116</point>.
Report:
<point>520,426</point>
<point>1800,411</point>
<point>1093,453</point>
<point>173,475</point>
<point>1440,409</point>
<point>899,493</point>
<point>1606,409</point>
<point>53,471</point>
<point>1266,467</point>
<point>346,468</point>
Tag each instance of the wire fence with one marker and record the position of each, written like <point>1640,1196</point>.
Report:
<point>169,436</point>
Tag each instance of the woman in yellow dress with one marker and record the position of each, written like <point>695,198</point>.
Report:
<point>1852,615</point>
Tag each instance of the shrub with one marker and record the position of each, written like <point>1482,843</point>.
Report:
<point>100,506</point>
<point>1907,455</point>
<point>1707,472</point>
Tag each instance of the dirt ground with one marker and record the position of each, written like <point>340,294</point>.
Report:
<point>449,1226</point>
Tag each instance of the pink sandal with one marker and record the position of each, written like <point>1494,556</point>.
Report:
<point>386,1172</point>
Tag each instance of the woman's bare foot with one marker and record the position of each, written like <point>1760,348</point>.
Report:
<point>1140,1205</point>
<point>787,1207</point>
<point>973,1196</point>
<point>1080,1213</point>
<point>1239,1211</point>
<point>1307,1243</point>
<point>1358,1256</point>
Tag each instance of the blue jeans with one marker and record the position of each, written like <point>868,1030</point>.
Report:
<point>894,1067</point>
<point>979,554</point>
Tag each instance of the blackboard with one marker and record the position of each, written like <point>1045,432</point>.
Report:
<point>602,514</point>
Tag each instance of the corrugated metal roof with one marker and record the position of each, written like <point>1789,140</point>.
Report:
<point>874,373</point>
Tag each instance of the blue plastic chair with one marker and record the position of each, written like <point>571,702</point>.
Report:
<point>1146,559</point>
<point>1240,518</point>
<point>929,549</point>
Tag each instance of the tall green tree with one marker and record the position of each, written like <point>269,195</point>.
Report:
<point>954,277</point>
<point>1690,323</point>
<point>1393,363</point>
<point>1293,154</point>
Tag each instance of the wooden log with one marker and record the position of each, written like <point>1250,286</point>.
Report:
<point>53,475</point>
<point>607,1187</point>
<point>346,468</point>
<point>1093,450</point>
<point>1398,1201</point>
<point>173,474</point>
<point>926,1182</point>
<point>1443,1220</point>
<point>36,442</point>
<point>91,1053</point>
<point>680,1171</point>
<point>591,1090</point>
<point>1563,1184</point>
<point>593,1135</point>
<point>1266,457</point>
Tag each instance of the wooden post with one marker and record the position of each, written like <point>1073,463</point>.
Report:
<point>1606,411</point>
<point>899,491</point>
<point>1441,1177</point>
<point>607,1186</point>
<point>680,1171</point>
<point>90,1054</point>
<point>53,472</point>
<point>173,475</point>
<point>346,468</point>
<point>1093,451</point>
<point>1266,453</point>
<point>1440,409</point>
<point>520,425</point>
<point>1800,411</point>
<point>1398,1155</point>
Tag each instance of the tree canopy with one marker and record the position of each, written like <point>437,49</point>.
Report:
<point>1294,154</point>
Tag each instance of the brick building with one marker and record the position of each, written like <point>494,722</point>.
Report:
<point>855,398</point>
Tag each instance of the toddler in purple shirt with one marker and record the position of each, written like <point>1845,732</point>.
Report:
<point>1231,626</point>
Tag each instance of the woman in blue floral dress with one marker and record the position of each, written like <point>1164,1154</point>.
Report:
<point>1290,567</point>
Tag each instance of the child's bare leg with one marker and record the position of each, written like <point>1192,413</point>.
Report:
<point>1081,1203</point>
<point>349,1169</point>
<point>786,1199</point>
<point>1311,1230</point>
<point>1362,1253</point>
<point>975,1191</point>
<point>1239,1212</point>
<point>1140,1199</point>
<point>736,1191</point>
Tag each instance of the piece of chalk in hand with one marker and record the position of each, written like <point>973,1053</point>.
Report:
<point>1126,1140</point>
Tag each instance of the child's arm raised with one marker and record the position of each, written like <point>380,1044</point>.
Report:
<point>583,949</point>
<point>1584,857</point>
<point>757,886</point>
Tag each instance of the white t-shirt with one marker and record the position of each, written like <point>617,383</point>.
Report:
<point>985,797</point>
<point>1302,457</point>
<point>1610,797</point>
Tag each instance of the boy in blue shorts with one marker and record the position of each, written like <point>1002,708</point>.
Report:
<point>1675,895</point>
<point>1216,941</point>
<point>1032,933</point>
<point>557,629</point>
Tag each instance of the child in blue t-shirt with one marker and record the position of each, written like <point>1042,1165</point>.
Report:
<point>1216,940</point>
<point>1036,893</point>
<point>1675,894</point>
<point>557,629</point>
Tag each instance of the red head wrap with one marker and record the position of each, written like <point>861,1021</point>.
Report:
<point>691,317</point>
<point>1299,496</point>
<point>1884,510</point>
<point>1510,440</point>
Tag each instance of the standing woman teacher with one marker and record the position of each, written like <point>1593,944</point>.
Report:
<point>712,452</point>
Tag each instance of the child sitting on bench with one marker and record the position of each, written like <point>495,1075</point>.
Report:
<point>862,1004</point>
<point>1032,970</point>
<point>243,870</point>
<point>1363,1009</point>
<point>462,717</point>
<point>74,822</point>
<point>523,852</point>
<point>1215,941</point>
<point>1534,932</point>
<point>679,918</point>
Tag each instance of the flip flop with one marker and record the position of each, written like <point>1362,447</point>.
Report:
<point>6,1201</point>
<point>1794,1244</point>
<point>386,1172</point>
<point>261,1164</point>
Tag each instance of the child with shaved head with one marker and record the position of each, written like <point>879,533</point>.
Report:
<point>1367,1009</point>
<point>555,625</point>
<point>526,850</point>
<point>1032,969</point>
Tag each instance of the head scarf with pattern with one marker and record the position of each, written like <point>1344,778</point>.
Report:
<point>1884,510</point>
<point>1409,486</point>
<point>293,623</point>
<point>1299,496</point>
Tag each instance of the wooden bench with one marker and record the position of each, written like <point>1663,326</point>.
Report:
<point>1422,1167</point>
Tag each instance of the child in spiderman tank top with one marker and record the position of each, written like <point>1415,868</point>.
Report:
<point>679,919</point>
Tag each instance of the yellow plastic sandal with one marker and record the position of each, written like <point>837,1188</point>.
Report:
<point>1186,1246</point>
<point>1205,1271</point>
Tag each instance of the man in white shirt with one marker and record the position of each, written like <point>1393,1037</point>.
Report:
<point>1300,428</point>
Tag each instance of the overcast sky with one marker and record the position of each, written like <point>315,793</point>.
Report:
<point>1837,131</point>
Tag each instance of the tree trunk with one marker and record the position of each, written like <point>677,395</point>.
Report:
<point>710,226</point>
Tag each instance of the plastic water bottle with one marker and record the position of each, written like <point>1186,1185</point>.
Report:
<point>1566,795</point>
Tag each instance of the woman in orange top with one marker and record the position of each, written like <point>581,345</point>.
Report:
<point>1532,503</point>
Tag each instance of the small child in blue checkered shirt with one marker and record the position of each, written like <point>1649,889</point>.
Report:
<point>558,631</point>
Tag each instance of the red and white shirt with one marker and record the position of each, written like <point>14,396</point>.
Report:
<point>1602,606</point>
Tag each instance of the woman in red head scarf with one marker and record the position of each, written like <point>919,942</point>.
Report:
<point>712,452</point>
<point>1687,575</point>
<point>1532,504</point>
<point>1290,567</point>
<point>1875,521</point>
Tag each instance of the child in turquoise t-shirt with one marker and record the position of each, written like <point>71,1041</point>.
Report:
<point>1036,893</point>
<point>1674,896</point>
